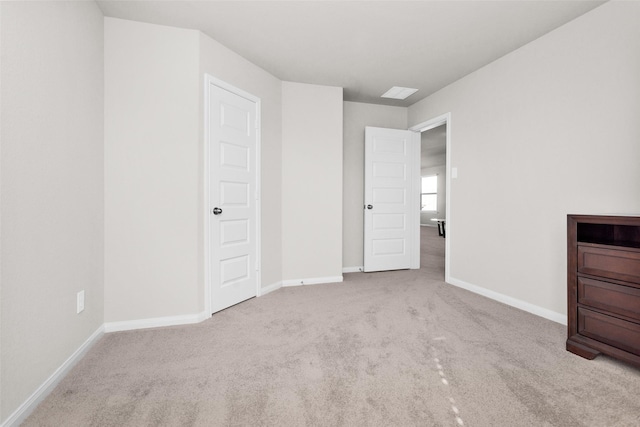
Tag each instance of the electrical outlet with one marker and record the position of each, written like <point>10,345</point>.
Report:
<point>80,302</point>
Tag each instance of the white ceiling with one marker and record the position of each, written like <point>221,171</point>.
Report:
<point>363,46</point>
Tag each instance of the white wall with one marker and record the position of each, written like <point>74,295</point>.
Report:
<point>356,117</point>
<point>154,167</point>
<point>545,131</point>
<point>311,182</point>
<point>152,180</point>
<point>51,189</point>
<point>228,66</point>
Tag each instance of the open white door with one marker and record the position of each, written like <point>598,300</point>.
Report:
<point>391,203</point>
<point>233,202</point>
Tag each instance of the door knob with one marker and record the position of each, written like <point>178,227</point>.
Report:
<point>217,211</point>
<point>369,206</point>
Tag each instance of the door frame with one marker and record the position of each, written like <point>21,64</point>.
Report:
<point>444,119</point>
<point>208,81</point>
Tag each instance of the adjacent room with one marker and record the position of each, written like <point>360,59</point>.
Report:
<point>319,213</point>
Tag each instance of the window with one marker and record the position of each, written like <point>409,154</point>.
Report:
<point>429,198</point>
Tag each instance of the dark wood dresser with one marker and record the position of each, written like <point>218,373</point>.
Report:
<point>603,286</point>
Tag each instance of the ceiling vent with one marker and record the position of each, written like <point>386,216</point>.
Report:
<point>398,92</point>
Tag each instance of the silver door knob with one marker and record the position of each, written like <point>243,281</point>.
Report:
<point>217,211</point>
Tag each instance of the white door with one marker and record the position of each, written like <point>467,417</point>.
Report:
<point>391,203</point>
<point>233,146</point>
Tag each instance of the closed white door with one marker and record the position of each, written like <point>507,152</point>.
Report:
<point>233,139</point>
<point>391,221</point>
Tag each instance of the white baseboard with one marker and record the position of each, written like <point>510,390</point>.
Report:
<point>357,269</point>
<point>270,288</point>
<point>156,322</point>
<point>23,411</point>
<point>513,302</point>
<point>312,281</point>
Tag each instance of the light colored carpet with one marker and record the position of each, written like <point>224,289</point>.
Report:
<point>383,349</point>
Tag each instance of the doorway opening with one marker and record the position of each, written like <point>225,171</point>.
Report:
<point>435,160</point>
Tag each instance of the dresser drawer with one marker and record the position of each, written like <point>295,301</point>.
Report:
<point>609,330</point>
<point>617,299</point>
<point>612,263</point>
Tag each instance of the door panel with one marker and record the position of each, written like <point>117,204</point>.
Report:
<point>233,164</point>
<point>234,194</point>
<point>390,170</point>
<point>233,270</point>
<point>389,218</point>
<point>234,232</point>
<point>389,222</point>
<point>234,156</point>
<point>382,247</point>
<point>390,196</point>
